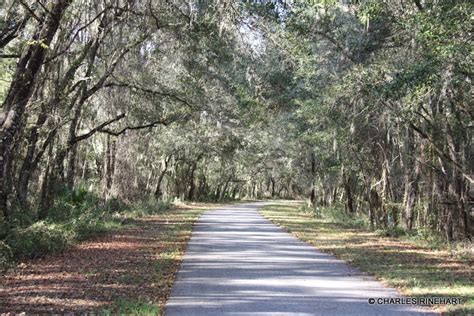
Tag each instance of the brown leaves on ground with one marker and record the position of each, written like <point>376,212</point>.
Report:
<point>93,275</point>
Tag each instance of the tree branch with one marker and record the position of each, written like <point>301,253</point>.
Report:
<point>33,14</point>
<point>137,127</point>
<point>9,56</point>
<point>339,46</point>
<point>164,122</point>
<point>149,91</point>
<point>100,83</point>
<point>441,153</point>
<point>11,32</point>
<point>96,129</point>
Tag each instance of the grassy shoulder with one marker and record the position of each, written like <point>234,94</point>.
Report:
<point>177,224</point>
<point>415,269</point>
<point>127,267</point>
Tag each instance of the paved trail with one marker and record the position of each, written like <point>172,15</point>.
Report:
<point>239,263</point>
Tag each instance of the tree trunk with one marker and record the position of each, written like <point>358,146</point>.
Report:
<point>312,196</point>
<point>30,162</point>
<point>45,200</point>
<point>192,186</point>
<point>164,169</point>
<point>347,184</point>
<point>374,207</point>
<point>109,165</point>
<point>273,186</point>
<point>349,198</point>
<point>411,178</point>
<point>20,91</point>
<point>224,191</point>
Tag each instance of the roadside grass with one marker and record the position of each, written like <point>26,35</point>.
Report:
<point>131,307</point>
<point>175,230</point>
<point>127,271</point>
<point>417,270</point>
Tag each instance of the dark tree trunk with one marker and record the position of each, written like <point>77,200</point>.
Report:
<point>44,201</point>
<point>30,162</point>
<point>192,185</point>
<point>347,180</point>
<point>349,198</point>
<point>164,170</point>
<point>224,191</point>
<point>55,181</point>
<point>312,197</point>
<point>71,167</point>
<point>273,186</point>
<point>375,207</point>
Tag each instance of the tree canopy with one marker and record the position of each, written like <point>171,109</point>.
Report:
<point>365,105</point>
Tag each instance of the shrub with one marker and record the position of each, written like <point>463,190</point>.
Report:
<point>306,208</point>
<point>463,250</point>
<point>71,204</point>
<point>428,237</point>
<point>391,232</point>
<point>89,225</point>
<point>21,218</point>
<point>151,205</point>
<point>76,215</point>
<point>6,256</point>
<point>339,216</point>
<point>38,239</point>
<point>115,205</point>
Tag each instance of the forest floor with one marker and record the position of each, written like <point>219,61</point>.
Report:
<point>415,270</point>
<point>127,271</point>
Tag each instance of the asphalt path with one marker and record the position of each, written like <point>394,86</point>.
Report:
<point>239,263</point>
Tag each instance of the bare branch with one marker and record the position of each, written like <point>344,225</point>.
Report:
<point>33,14</point>
<point>9,56</point>
<point>96,129</point>
<point>164,122</point>
<point>149,91</point>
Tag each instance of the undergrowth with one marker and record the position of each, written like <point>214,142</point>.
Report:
<point>335,214</point>
<point>421,236</point>
<point>75,216</point>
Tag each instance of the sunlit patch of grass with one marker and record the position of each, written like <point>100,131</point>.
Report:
<point>132,307</point>
<point>176,228</point>
<point>98,226</point>
<point>167,262</point>
<point>415,269</point>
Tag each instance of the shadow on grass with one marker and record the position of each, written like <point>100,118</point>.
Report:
<point>418,271</point>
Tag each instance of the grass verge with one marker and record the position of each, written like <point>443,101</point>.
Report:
<point>125,271</point>
<point>175,225</point>
<point>414,269</point>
